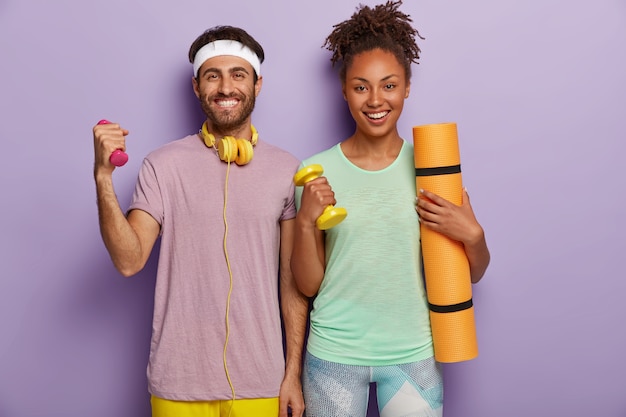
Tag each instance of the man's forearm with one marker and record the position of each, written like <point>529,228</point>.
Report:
<point>295,308</point>
<point>119,237</point>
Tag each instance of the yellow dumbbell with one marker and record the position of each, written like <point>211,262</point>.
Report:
<point>332,215</point>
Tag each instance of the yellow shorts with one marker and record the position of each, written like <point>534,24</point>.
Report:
<point>258,407</point>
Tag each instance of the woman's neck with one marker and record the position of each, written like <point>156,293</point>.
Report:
<point>372,154</point>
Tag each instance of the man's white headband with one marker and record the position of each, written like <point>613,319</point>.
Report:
<point>226,47</point>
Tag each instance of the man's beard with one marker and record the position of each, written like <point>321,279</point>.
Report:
<point>226,121</point>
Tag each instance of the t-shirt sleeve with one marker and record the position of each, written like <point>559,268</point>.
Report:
<point>289,211</point>
<point>147,195</point>
<point>298,193</point>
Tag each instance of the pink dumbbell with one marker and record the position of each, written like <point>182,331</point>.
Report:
<point>118,157</point>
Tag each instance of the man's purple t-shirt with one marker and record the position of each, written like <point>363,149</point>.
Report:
<point>182,185</point>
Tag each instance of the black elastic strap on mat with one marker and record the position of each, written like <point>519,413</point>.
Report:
<point>425,172</point>
<point>451,308</point>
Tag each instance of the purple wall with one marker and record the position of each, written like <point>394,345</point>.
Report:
<point>537,88</point>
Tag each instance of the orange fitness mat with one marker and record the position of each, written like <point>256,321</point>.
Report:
<point>446,268</point>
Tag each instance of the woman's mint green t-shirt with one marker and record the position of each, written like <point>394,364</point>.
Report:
<point>371,308</point>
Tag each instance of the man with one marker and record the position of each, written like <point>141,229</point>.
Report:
<point>222,202</point>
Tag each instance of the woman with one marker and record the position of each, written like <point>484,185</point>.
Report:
<point>370,319</point>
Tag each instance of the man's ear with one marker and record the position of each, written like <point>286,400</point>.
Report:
<point>407,91</point>
<point>194,83</point>
<point>257,86</point>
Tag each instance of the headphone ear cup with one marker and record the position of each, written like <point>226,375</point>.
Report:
<point>244,152</point>
<point>227,149</point>
<point>208,138</point>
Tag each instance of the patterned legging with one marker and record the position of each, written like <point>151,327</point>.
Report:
<point>409,390</point>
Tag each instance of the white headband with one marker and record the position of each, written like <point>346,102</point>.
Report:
<point>226,47</point>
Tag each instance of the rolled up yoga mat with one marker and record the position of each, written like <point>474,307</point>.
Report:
<point>446,268</point>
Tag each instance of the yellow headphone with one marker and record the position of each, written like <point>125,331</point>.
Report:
<point>230,149</point>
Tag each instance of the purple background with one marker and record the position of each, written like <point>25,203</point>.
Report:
<point>538,90</point>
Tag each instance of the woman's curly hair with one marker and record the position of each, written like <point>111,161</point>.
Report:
<point>381,27</point>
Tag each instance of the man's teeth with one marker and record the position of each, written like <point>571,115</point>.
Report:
<point>378,115</point>
<point>227,103</point>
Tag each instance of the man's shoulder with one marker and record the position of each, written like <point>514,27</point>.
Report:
<point>168,149</point>
<point>277,152</point>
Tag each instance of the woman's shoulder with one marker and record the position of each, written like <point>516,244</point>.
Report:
<point>326,156</point>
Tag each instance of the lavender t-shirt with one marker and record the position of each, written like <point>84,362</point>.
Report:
<point>182,185</point>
